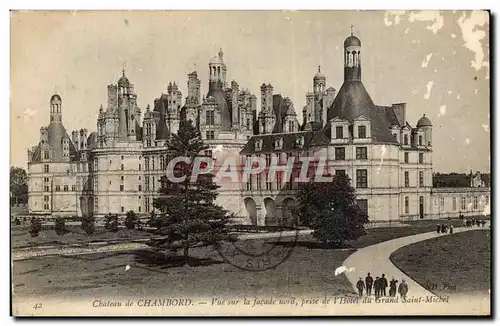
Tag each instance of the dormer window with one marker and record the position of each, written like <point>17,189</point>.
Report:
<point>278,143</point>
<point>339,132</point>
<point>361,131</point>
<point>405,140</point>
<point>299,142</point>
<point>258,144</point>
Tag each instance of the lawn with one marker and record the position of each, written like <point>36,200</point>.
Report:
<point>449,265</point>
<point>307,271</point>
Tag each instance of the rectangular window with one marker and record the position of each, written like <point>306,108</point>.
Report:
<point>407,205</point>
<point>361,153</point>
<point>45,198</point>
<point>58,188</point>
<point>46,155</point>
<point>405,140</point>
<point>339,172</point>
<point>249,126</point>
<point>121,178</point>
<point>363,205</point>
<point>339,132</point>
<point>153,163</point>
<point>339,153</point>
<point>140,187</point>
<point>123,209</point>
<point>441,204</point>
<point>268,160</point>
<point>121,167</point>
<point>421,178</point>
<point>454,203</point>
<point>407,157</point>
<point>46,188</point>
<point>73,188</point>
<point>462,203</point>
<point>362,132</point>
<point>407,179</point>
<point>121,187</point>
<point>153,179</point>
<point>146,182</point>
<point>146,163</point>
<point>362,178</point>
<point>291,126</point>
<point>46,168</point>
<point>420,141</point>
<point>259,184</point>
<point>475,202</point>
<point>96,165</point>
<point>139,167</point>
<point>146,204</point>
<point>210,134</point>
<point>96,206</point>
<point>210,118</point>
<point>421,158</point>
<point>66,188</point>
<point>249,182</point>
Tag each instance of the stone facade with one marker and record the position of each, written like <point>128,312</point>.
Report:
<point>118,168</point>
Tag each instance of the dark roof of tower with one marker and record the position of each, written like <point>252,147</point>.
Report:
<point>279,109</point>
<point>311,138</point>
<point>218,94</point>
<point>424,122</point>
<point>123,81</point>
<point>55,97</point>
<point>353,101</point>
<point>161,127</point>
<point>56,133</point>
<point>352,41</point>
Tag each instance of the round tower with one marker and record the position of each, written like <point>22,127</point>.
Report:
<point>319,82</point>
<point>352,58</point>
<point>55,108</point>
<point>425,124</point>
<point>217,71</point>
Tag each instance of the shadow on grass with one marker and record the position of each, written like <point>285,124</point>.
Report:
<point>313,244</point>
<point>164,260</point>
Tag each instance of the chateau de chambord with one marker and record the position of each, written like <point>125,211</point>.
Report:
<point>117,168</point>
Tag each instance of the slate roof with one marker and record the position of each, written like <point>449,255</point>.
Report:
<point>218,94</point>
<point>56,133</point>
<point>161,127</point>
<point>353,101</point>
<point>311,138</point>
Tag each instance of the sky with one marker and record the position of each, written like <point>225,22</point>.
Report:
<point>435,61</point>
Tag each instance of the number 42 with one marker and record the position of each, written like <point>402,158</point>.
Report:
<point>37,306</point>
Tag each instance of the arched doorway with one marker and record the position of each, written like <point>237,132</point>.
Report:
<point>251,210</point>
<point>287,216</point>
<point>271,216</point>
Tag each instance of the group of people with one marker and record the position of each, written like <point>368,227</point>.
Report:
<point>443,228</point>
<point>380,285</point>
<point>471,223</point>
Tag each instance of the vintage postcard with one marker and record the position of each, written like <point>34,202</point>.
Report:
<point>250,163</point>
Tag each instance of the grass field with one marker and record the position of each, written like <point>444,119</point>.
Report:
<point>450,265</point>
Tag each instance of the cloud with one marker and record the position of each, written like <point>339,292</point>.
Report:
<point>426,61</point>
<point>429,89</point>
<point>472,36</point>
<point>429,16</point>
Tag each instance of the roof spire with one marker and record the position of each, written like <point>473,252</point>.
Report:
<point>319,68</point>
<point>352,26</point>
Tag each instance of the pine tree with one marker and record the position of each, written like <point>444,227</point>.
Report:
<point>131,220</point>
<point>35,227</point>
<point>111,223</point>
<point>60,226</point>
<point>331,210</point>
<point>188,215</point>
<point>88,226</point>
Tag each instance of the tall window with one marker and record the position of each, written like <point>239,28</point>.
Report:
<point>210,134</point>
<point>363,205</point>
<point>454,203</point>
<point>249,182</point>
<point>268,160</point>
<point>66,188</point>
<point>475,202</point>
<point>362,178</point>
<point>146,182</point>
<point>462,203</point>
<point>339,153</point>
<point>421,178</point>
<point>146,163</point>
<point>140,187</point>
<point>291,126</point>
<point>162,162</point>
<point>339,132</point>
<point>405,142</point>
<point>210,118</point>
<point>147,204</point>
<point>152,163</point>
<point>249,125</point>
<point>46,155</point>
<point>420,141</point>
<point>407,157</point>
<point>361,153</point>
<point>45,168</point>
<point>361,131</point>
<point>121,166</point>
<point>121,187</point>
<point>407,179</point>
<point>421,158</point>
<point>259,185</point>
<point>96,205</point>
<point>407,205</point>
<point>441,204</point>
<point>269,185</point>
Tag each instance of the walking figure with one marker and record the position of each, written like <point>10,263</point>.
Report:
<point>369,283</point>
<point>438,229</point>
<point>383,285</point>
<point>392,287</point>
<point>361,286</point>
<point>376,284</point>
<point>451,229</point>
<point>403,289</point>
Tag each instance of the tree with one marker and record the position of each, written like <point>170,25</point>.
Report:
<point>35,227</point>
<point>331,210</point>
<point>131,220</point>
<point>188,215</point>
<point>18,185</point>
<point>111,223</point>
<point>60,226</point>
<point>88,226</point>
